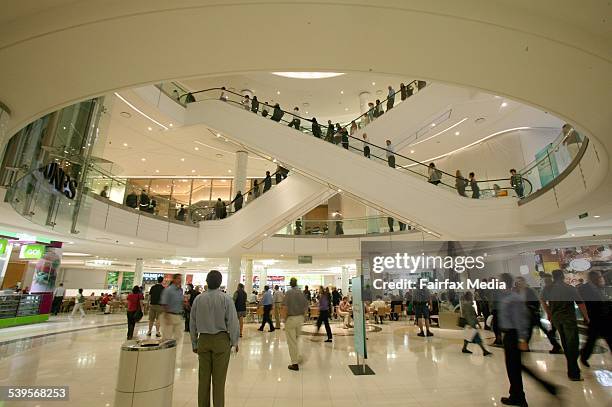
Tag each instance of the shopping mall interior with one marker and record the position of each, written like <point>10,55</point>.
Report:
<point>151,142</point>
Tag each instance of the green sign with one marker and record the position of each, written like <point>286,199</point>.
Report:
<point>304,259</point>
<point>32,251</point>
<point>583,215</point>
<point>3,244</point>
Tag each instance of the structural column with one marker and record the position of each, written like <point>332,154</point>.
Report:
<point>233,276</point>
<point>263,278</point>
<point>138,272</point>
<point>345,280</point>
<point>248,276</point>
<point>240,173</point>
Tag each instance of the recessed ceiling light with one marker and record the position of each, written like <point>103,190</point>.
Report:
<point>457,133</point>
<point>127,115</point>
<point>308,75</point>
<point>278,92</point>
<point>265,235</point>
<point>125,144</point>
<point>196,148</point>
<point>182,159</point>
<point>156,170</point>
<point>150,128</point>
<point>170,124</point>
<point>346,109</point>
<point>373,83</point>
<point>433,125</point>
<point>411,151</point>
<point>306,112</point>
<point>131,242</point>
<point>230,171</point>
<point>143,159</point>
<point>339,190</point>
<point>274,160</point>
<point>504,104</point>
<point>192,171</point>
<point>596,216</point>
<point>218,135</point>
<point>342,92</point>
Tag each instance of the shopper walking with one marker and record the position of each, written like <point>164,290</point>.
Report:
<point>389,152</point>
<point>316,128</point>
<point>390,98</point>
<point>421,301</point>
<point>474,186</point>
<point>268,303</point>
<point>191,293</point>
<point>460,183</point>
<point>559,299</point>
<point>214,331</point>
<point>240,300</point>
<point>516,182</point>
<point>434,175</point>
<point>277,296</point>
<point>295,305</point>
<point>514,323</point>
<point>600,316</point>
<point>172,303</point>
<point>58,298</point>
<point>267,182</point>
<point>366,145</point>
<point>324,312</point>
<point>79,301</point>
<point>155,308</point>
<point>135,305</point>
<point>471,324</point>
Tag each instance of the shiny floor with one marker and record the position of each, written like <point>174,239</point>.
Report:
<point>410,371</point>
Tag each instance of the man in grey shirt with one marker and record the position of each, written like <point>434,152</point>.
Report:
<point>214,329</point>
<point>172,303</point>
<point>296,305</point>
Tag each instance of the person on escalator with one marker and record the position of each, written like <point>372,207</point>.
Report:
<point>219,209</point>
<point>516,182</point>
<point>344,137</point>
<point>434,174</point>
<point>353,128</point>
<point>371,111</point>
<point>132,200</point>
<point>474,186</point>
<point>277,114</point>
<point>403,93</point>
<point>238,200</point>
<point>390,98</point>
<point>329,135</point>
<point>296,118</point>
<point>267,182</point>
<point>316,128</point>
<point>255,189</point>
<point>460,183</point>
<point>378,109</point>
<point>366,146</point>
<point>246,102</point>
<point>390,155</point>
<point>223,95</point>
<point>144,201</point>
<point>254,105</point>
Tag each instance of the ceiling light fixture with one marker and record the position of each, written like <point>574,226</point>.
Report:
<point>125,144</point>
<point>373,83</point>
<point>597,216</point>
<point>143,159</point>
<point>182,159</point>
<point>170,125</point>
<point>156,170</point>
<point>308,75</point>
<point>504,104</point>
<point>342,92</point>
<point>150,128</point>
<point>196,148</point>
<point>457,133</point>
<point>140,111</point>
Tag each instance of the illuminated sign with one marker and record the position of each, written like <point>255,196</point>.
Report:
<point>3,244</point>
<point>304,259</point>
<point>32,251</point>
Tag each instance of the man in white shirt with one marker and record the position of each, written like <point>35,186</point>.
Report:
<point>377,306</point>
<point>58,298</point>
<point>278,297</point>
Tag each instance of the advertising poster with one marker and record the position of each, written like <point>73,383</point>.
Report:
<point>547,168</point>
<point>45,274</point>
<point>358,317</point>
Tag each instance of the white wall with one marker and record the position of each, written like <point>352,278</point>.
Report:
<point>74,278</point>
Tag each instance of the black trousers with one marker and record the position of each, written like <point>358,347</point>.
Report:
<point>595,331</point>
<point>55,306</point>
<point>515,368</point>
<point>324,319</point>
<point>402,225</point>
<point>568,331</point>
<point>366,151</point>
<point>390,223</point>
<point>295,123</point>
<point>187,315</point>
<point>496,329</point>
<point>266,318</point>
<point>391,161</point>
<point>131,324</point>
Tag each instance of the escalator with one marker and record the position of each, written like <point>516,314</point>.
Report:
<point>399,189</point>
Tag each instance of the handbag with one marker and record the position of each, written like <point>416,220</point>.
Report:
<point>138,314</point>
<point>461,322</point>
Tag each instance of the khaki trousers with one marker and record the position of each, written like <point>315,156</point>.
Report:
<point>277,315</point>
<point>293,329</point>
<point>214,356</point>
<point>171,326</point>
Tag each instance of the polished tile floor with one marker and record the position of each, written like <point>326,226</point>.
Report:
<point>410,371</point>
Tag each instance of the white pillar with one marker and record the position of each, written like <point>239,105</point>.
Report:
<point>233,276</point>
<point>345,280</point>
<point>263,278</point>
<point>240,173</point>
<point>138,271</point>
<point>364,98</point>
<point>248,276</point>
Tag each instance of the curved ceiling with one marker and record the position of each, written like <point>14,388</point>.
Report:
<point>552,55</point>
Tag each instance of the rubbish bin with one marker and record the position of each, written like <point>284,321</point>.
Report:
<point>146,374</point>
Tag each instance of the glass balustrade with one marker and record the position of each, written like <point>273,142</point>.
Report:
<point>345,227</point>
